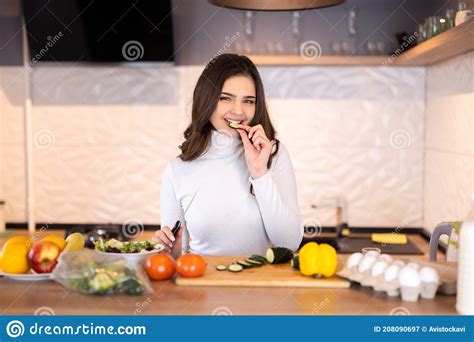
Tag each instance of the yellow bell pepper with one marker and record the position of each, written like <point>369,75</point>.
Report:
<point>317,259</point>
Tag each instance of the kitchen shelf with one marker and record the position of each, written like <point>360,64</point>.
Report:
<point>451,43</point>
<point>329,60</point>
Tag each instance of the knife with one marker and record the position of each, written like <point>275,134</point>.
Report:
<point>176,228</point>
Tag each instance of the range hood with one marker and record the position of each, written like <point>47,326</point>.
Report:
<point>275,5</point>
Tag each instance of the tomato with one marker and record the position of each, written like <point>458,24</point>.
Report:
<point>191,265</point>
<point>160,266</point>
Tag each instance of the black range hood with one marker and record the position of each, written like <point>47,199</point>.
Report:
<point>99,30</point>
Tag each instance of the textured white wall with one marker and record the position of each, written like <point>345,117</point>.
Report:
<point>12,149</point>
<point>103,136</point>
<point>449,160</point>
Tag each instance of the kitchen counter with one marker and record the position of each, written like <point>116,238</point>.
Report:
<point>169,299</point>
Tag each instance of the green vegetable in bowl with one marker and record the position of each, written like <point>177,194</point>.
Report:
<point>116,246</point>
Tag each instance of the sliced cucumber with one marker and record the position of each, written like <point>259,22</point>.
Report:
<point>279,255</point>
<point>235,268</point>
<point>260,258</point>
<point>295,262</point>
<point>244,264</point>
<point>234,125</point>
<point>221,267</point>
<point>254,263</point>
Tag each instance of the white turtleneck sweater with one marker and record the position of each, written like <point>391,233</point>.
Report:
<point>223,217</point>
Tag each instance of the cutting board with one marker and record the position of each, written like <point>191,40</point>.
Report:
<point>282,275</point>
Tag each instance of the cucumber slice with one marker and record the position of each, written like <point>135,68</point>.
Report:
<point>244,264</point>
<point>234,125</point>
<point>260,258</point>
<point>221,267</point>
<point>295,262</point>
<point>235,268</point>
<point>254,263</point>
<point>279,255</point>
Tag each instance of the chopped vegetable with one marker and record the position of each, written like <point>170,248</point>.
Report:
<point>244,264</point>
<point>116,246</point>
<point>260,258</point>
<point>295,262</point>
<point>279,255</point>
<point>235,268</point>
<point>106,279</point>
<point>102,283</point>
<point>254,263</point>
<point>221,267</point>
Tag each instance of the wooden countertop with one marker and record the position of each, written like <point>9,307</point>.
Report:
<point>169,299</point>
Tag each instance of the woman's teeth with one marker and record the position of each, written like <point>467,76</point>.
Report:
<point>233,123</point>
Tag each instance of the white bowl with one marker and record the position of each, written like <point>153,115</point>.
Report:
<point>135,259</point>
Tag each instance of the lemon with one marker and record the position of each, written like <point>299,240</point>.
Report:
<point>74,242</point>
<point>14,258</point>
<point>19,239</point>
<point>55,239</point>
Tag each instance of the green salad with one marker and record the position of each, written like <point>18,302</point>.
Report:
<point>116,246</point>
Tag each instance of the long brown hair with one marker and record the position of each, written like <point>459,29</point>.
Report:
<point>206,95</point>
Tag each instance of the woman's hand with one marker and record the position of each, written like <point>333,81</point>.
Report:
<point>257,149</point>
<point>172,244</point>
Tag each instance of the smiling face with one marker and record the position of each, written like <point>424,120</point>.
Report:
<point>236,104</point>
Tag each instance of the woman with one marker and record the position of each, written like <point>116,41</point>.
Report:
<point>233,184</point>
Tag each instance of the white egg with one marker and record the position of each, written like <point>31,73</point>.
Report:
<point>354,260</point>
<point>399,263</point>
<point>391,273</point>
<point>374,253</point>
<point>429,275</point>
<point>378,268</point>
<point>414,265</point>
<point>366,263</point>
<point>385,257</point>
<point>409,276</point>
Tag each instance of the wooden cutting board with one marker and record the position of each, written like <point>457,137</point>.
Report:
<point>281,275</point>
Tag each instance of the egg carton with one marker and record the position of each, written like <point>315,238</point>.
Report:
<point>395,277</point>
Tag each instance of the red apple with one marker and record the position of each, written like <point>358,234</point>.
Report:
<point>43,256</point>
